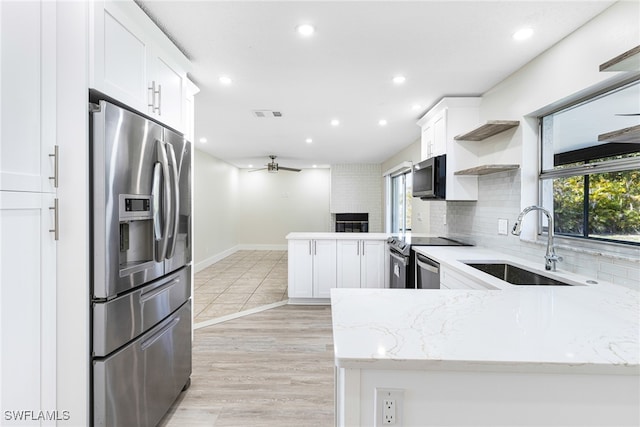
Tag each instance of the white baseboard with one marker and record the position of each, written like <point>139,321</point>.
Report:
<point>201,265</point>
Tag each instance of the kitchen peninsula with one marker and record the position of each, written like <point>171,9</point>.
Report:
<point>526,355</point>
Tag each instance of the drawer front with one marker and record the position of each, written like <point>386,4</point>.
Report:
<point>118,321</point>
<point>137,384</point>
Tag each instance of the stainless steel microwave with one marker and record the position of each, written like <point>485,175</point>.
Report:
<point>430,178</point>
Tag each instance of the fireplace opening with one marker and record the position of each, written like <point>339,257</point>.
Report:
<point>352,223</point>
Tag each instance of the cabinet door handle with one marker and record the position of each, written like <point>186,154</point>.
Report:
<point>55,166</point>
<point>159,108</point>
<point>155,92</point>
<point>309,247</point>
<point>152,102</point>
<point>358,248</point>
<point>363,248</point>
<point>315,247</point>
<point>55,229</point>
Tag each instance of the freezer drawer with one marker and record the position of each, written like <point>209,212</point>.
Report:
<point>136,385</point>
<point>120,320</point>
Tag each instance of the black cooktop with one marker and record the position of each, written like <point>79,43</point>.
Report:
<point>403,243</point>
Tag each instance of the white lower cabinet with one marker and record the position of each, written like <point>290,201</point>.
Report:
<point>27,306</point>
<point>317,265</point>
<point>312,267</point>
<point>360,263</point>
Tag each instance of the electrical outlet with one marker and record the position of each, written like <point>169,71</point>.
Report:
<point>388,407</point>
<point>389,412</point>
<point>503,226</point>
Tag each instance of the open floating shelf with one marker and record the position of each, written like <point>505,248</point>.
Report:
<point>487,169</point>
<point>492,127</point>
<point>628,61</point>
<point>631,134</point>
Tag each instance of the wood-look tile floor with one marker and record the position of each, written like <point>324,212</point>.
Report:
<point>241,281</point>
<point>272,368</point>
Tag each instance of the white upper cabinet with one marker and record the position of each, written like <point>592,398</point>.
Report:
<point>440,125</point>
<point>27,96</point>
<point>133,62</point>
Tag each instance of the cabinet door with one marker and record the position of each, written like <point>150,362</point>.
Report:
<point>27,302</point>
<point>324,267</point>
<point>300,269</point>
<point>119,61</point>
<point>372,265</point>
<point>426,141</point>
<point>440,134</point>
<point>170,86</point>
<point>348,263</point>
<point>27,95</point>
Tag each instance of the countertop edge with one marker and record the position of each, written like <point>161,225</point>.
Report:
<point>489,366</point>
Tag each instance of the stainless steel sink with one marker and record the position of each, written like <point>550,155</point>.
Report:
<point>515,275</point>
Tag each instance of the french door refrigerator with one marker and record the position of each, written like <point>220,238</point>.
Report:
<point>141,267</point>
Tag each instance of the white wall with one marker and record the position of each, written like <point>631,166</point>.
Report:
<point>568,68</point>
<point>215,199</point>
<point>271,205</point>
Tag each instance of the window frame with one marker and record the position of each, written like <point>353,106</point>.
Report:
<point>586,169</point>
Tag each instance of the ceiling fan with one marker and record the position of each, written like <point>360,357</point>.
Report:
<point>273,167</point>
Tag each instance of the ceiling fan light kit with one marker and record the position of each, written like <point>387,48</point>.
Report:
<point>272,167</point>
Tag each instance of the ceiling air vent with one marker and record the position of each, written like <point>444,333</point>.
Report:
<point>266,114</point>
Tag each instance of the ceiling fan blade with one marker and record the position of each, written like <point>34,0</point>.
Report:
<point>255,170</point>
<point>289,169</point>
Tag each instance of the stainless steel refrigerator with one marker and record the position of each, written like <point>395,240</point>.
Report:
<point>141,272</point>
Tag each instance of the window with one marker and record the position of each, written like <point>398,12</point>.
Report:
<point>591,166</point>
<point>401,190</point>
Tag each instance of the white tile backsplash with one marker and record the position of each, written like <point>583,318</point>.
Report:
<point>499,197</point>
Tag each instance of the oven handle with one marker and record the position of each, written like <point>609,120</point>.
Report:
<point>427,264</point>
<point>403,260</point>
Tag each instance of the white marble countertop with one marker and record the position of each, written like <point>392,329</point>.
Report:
<point>337,236</point>
<point>576,329</point>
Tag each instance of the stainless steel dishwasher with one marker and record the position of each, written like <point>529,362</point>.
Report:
<point>427,273</point>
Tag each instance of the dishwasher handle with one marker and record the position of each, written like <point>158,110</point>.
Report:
<point>427,264</point>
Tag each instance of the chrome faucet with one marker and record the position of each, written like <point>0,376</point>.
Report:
<point>550,257</point>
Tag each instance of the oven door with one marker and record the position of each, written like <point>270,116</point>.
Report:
<point>427,273</point>
<point>398,272</point>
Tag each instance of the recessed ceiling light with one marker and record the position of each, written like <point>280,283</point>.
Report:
<point>523,34</point>
<point>225,80</point>
<point>203,140</point>
<point>382,122</point>
<point>308,140</point>
<point>399,79</point>
<point>250,166</point>
<point>335,122</point>
<point>315,166</point>
<point>416,107</point>
<point>305,30</point>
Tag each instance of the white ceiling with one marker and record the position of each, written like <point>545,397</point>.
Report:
<point>344,71</point>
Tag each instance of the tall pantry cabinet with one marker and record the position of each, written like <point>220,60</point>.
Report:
<point>27,210</point>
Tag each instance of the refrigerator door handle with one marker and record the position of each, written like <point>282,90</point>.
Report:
<point>175,197</point>
<point>155,337</point>
<point>155,198</point>
<point>162,242</point>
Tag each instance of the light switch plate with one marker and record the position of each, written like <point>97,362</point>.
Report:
<point>503,226</point>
